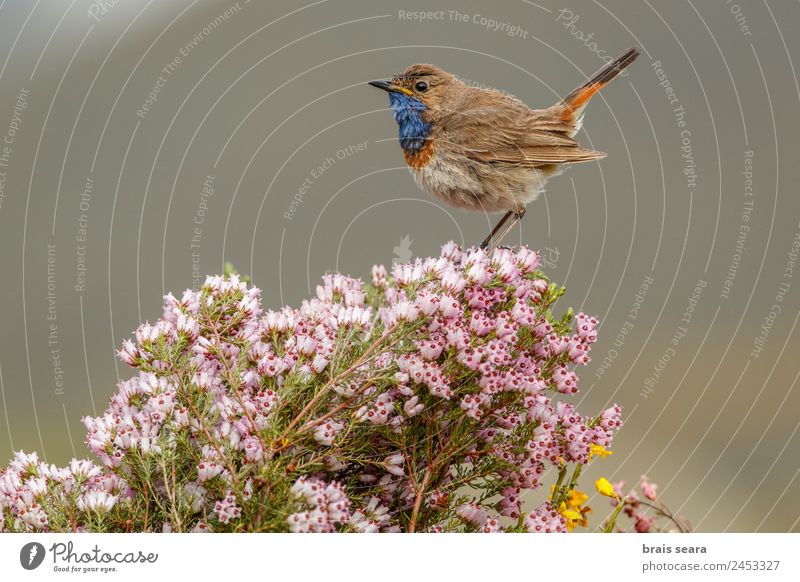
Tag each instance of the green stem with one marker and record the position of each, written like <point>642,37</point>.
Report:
<point>612,521</point>
<point>573,481</point>
<point>562,472</point>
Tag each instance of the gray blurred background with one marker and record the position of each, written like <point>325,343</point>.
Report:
<point>262,145</point>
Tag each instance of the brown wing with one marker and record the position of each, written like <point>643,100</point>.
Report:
<point>508,131</point>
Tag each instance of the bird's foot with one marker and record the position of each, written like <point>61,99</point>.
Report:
<point>515,216</point>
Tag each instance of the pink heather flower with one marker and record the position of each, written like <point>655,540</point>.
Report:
<point>586,326</point>
<point>633,503</point>
<point>249,304</point>
<point>610,418</point>
<point>373,517</point>
<point>491,525</point>
<point>427,302</point>
<point>34,516</point>
<point>195,496</point>
<point>527,260</point>
<point>477,272</point>
<point>472,513</point>
<point>271,365</point>
<point>98,502</point>
<point>413,406</point>
<point>129,353</point>
<point>83,469</point>
<point>253,450</point>
<point>395,464</point>
<point>406,311</point>
<point>545,519</point>
<point>566,381</point>
<point>510,504</point>
<point>619,489</point>
<point>540,286</point>
<point>208,470</point>
<point>379,411</point>
<point>327,506</point>
<point>379,276</point>
<point>470,358</point>
<point>453,282</point>
<point>643,523</point>
<point>472,404</point>
<point>23,463</point>
<point>648,488</point>
<point>449,307</point>
<point>214,371</point>
<point>437,499</point>
<point>480,324</point>
<point>543,329</point>
<point>188,325</point>
<point>578,352</point>
<point>319,363</point>
<point>452,251</point>
<point>430,349</point>
<point>226,509</point>
<point>327,431</point>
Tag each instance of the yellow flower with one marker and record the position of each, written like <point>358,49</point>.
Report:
<point>599,450</point>
<point>604,487</point>
<point>584,520</point>
<point>572,511</point>
<point>572,516</point>
<point>575,498</point>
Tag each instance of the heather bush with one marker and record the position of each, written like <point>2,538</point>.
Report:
<point>431,399</point>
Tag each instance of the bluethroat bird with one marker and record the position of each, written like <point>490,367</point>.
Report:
<point>483,149</point>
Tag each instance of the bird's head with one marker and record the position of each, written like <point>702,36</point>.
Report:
<point>424,87</point>
<point>419,97</point>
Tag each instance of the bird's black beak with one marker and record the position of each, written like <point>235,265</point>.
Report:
<point>390,87</point>
<point>382,84</point>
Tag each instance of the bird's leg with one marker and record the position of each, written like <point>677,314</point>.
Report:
<point>497,227</point>
<point>517,217</point>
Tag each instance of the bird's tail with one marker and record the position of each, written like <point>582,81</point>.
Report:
<point>575,102</point>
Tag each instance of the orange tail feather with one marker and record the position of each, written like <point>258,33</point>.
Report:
<point>577,100</point>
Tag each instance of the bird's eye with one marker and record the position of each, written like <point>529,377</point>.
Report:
<point>421,87</point>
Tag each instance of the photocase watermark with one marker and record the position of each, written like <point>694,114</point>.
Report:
<point>664,83</point>
<point>317,172</point>
<point>206,193</point>
<point>31,555</point>
<point>677,338</point>
<point>627,326</point>
<point>100,8</point>
<point>741,19</point>
<point>679,114</point>
<point>744,226</point>
<point>689,167</point>
<point>780,293</point>
<point>7,146</point>
<point>53,342</point>
<point>69,559</point>
<point>549,257</point>
<point>172,66</point>
<point>402,252</point>
<point>477,84</point>
<point>82,235</point>
<point>509,29</point>
<point>569,19</point>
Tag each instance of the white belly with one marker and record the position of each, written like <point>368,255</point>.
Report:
<point>479,186</point>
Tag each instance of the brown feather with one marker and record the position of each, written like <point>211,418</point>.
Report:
<point>513,133</point>
<point>487,151</point>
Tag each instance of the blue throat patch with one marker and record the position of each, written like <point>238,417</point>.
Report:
<point>414,129</point>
